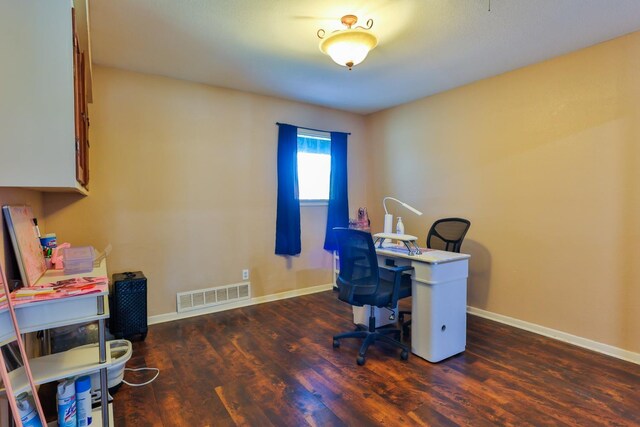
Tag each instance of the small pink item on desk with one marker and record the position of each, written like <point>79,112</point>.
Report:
<point>56,256</point>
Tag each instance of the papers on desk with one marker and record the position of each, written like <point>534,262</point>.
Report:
<point>60,289</point>
<point>31,292</point>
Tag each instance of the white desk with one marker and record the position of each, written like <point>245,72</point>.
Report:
<point>438,303</point>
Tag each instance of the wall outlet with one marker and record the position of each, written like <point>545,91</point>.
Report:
<point>245,274</point>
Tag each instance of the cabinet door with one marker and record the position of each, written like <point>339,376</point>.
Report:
<point>36,95</point>
<point>81,111</point>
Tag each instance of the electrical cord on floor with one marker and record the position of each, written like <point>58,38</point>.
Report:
<point>142,369</point>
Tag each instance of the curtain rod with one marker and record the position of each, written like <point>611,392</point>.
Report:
<point>317,130</point>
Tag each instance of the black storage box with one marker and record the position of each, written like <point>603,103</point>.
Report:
<point>128,304</point>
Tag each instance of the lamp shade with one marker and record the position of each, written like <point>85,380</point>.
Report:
<point>349,47</point>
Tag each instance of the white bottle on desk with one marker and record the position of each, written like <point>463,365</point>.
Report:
<point>399,226</point>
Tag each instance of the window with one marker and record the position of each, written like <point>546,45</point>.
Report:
<point>314,165</point>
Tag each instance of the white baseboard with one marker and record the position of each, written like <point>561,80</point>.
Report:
<point>169,317</point>
<point>609,350</point>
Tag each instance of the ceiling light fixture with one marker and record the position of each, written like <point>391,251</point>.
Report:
<point>350,46</point>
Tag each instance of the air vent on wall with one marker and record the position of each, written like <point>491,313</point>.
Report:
<point>193,300</point>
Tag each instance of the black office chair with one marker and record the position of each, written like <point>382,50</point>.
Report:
<point>361,282</point>
<point>445,234</point>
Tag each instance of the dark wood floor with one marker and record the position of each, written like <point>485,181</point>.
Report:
<point>273,364</point>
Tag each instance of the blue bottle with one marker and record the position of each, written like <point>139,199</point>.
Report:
<point>83,401</point>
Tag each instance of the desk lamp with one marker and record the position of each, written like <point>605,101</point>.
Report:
<point>388,218</point>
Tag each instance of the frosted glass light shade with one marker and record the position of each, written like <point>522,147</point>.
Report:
<point>348,47</point>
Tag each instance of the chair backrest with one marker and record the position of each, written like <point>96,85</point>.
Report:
<point>359,273</point>
<point>447,234</point>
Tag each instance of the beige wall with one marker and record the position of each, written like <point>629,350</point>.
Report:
<point>183,184</point>
<point>545,162</point>
<point>17,196</point>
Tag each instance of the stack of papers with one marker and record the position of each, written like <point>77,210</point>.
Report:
<point>59,289</point>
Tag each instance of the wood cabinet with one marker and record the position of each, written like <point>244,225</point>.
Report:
<point>45,86</point>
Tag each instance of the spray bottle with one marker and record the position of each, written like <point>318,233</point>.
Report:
<point>83,401</point>
<point>67,403</point>
<point>28,413</point>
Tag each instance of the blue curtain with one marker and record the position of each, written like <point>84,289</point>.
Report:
<point>338,210</point>
<point>288,215</point>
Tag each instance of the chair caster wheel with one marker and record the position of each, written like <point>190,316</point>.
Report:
<point>404,355</point>
<point>336,343</point>
<point>360,360</point>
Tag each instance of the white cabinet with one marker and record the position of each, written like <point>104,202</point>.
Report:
<point>37,98</point>
<point>438,301</point>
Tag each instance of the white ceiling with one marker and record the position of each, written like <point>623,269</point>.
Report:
<point>270,46</point>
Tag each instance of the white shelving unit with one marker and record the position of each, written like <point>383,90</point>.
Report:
<point>42,315</point>
<point>75,362</point>
<point>83,360</point>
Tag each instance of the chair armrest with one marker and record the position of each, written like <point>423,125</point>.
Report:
<point>397,272</point>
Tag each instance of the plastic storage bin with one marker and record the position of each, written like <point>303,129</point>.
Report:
<point>78,259</point>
